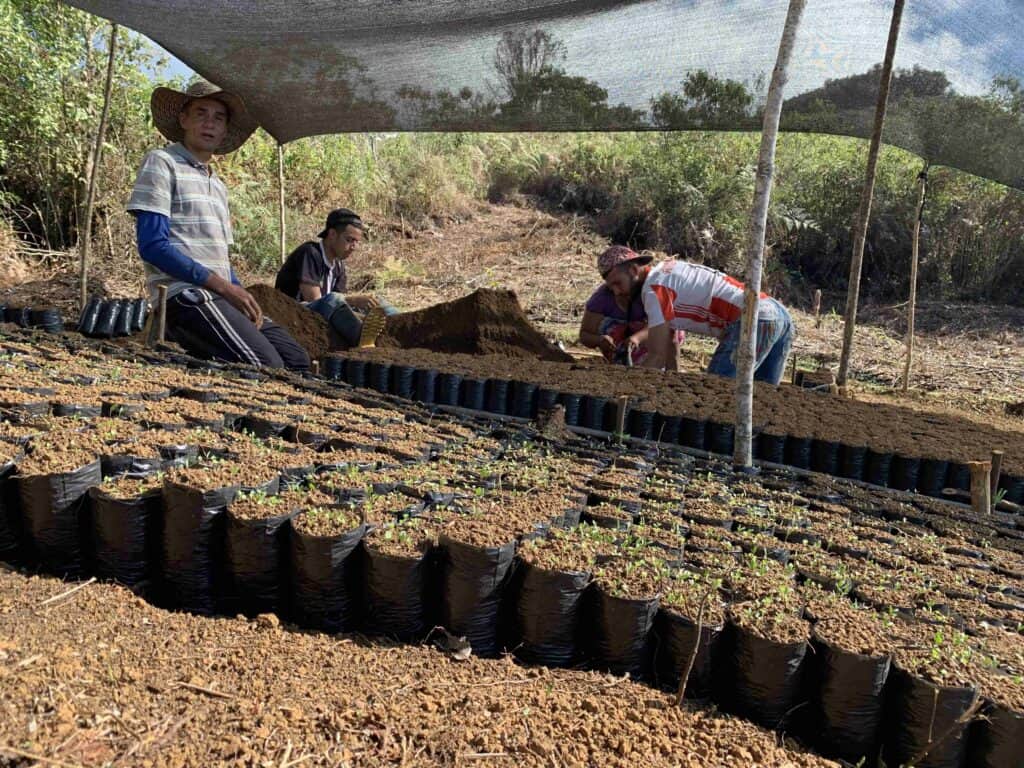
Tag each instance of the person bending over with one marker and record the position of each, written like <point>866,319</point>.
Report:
<point>617,327</point>
<point>315,274</point>
<point>677,295</point>
<point>183,229</point>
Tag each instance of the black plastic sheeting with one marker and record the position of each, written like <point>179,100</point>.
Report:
<point>448,385</point>
<point>523,399</point>
<point>255,554</point>
<point>498,396</point>
<point>877,467</point>
<point>692,433</point>
<point>903,473</point>
<point>10,516</point>
<point>474,394</point>
<point>403,381</point>
<point>847,703</point>
<point>548,611</point>
<point>764,676</point>
<point>325,577</point>
<point>720,438</point>
<point>572,404</point>
<point>852,461</point>
<point>125,535</point>
<point>115,465</point>
<point>397,590</point>
<point>931,476</point>
<point>997,739</point>
<point>192,541</point>
<point>825,456</point>
<point>473,581</point>
<point>620,642</point>
<point>771,448</point>
<point>54,509</point>
<point>676,636</point>
<point>426,385</point>
<point>919,711</point>
<point>798,451</point>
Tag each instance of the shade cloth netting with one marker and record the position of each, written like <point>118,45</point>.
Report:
<point>308,67</point>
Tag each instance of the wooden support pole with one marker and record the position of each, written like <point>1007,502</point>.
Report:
<point>746,352</point>
<point>817,308</point>
<point>280,202</point>
<point>997,471</point>
<point>860,226</point>
<point>161,314</point>
<point>915,248</point>
<point>315,367</point>
<point>981,486</point>
<point>85,230</point>
<point>621,409</point>
<point>792,370</point>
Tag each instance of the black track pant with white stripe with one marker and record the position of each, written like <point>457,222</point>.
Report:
<point>208,326</point>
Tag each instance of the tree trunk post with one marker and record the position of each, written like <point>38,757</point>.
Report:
<point>85,230</point>
<point>280,202</point>
<point>860,226</point>
<point>747,351</point>
<point>981,486</point>
<point>915,249</point>
<point>817,308</point>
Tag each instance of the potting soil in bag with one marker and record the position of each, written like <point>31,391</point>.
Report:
<point>140,312</point>
<point>254,564</point>
<point>676,637</point>
<point>997,739</point>
<point>125,534</point>
<point>620,633</point>
<point>918,712</point>
<point>473,580</point>
<point>123,326</point>
<point>764,676</point>
<point>396,594</point>
<point>325,579</point>
<point>47,318</point>
<point>847,702</point>
<point>54,509</point>
<point>548,609</point>
<point>193,541</point>
<point>107,321</point>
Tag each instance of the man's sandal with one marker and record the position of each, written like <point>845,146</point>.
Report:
<point>373,326</point>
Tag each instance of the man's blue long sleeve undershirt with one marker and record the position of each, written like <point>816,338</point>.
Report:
<point>152,230</point>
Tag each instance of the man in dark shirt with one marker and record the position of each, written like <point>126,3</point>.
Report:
<point>314,273</point>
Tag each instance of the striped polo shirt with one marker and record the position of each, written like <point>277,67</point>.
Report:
<point>172,182</point>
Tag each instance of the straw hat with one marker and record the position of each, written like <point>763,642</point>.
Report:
<point>167,103</point>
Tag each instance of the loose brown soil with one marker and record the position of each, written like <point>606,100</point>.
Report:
<point>487,322</point>
<point>308,328</point>
<point>124,488</point>
<point>564,551</point>
<point>325,521</point>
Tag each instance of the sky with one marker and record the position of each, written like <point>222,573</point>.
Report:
<point>645,48</point>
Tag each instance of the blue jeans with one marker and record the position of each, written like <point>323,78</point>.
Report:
<point>346,321</point>
<point>774,340</point>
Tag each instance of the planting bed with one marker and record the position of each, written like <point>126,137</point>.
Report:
<point>878,443</point>
<point>862,624</point>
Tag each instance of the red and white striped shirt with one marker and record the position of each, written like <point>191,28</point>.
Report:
<point>695,298</point>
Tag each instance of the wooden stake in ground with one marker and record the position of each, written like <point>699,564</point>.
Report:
<point>922,184</point>
<point>280,201</point>
<point>85,232</point>
<point>997,471</point>
<point>860,226</point>
<point>817,308</point>
<point>981,486</point>
<point>747,352</point>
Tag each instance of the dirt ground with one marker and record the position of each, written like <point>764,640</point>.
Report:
<point>99,677</point>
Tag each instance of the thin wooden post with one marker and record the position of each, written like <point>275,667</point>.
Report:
<point>161,313</point>
<point>922,183</point>
<point>621,409</point>
<point>85,231</point>
<point>747,352</point>
<point>280,202</point>
<point>981,486</point>
<point>997,471</point>
<point>860,226</point>
<point>817,308</point>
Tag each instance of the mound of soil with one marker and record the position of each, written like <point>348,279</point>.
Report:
<point>306,327</point>
<point>487,322</point>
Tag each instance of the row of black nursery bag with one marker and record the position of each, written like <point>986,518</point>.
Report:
<point>43,318</point>
<point>175,537</point>
<point>525,400</point>
<point>110,318</point>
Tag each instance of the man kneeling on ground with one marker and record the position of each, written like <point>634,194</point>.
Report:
<point>679,296</point>
<point>184,232</point>
<point>315,274</point>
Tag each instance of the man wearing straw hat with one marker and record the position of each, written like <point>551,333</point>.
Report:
<point>184,231</point>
